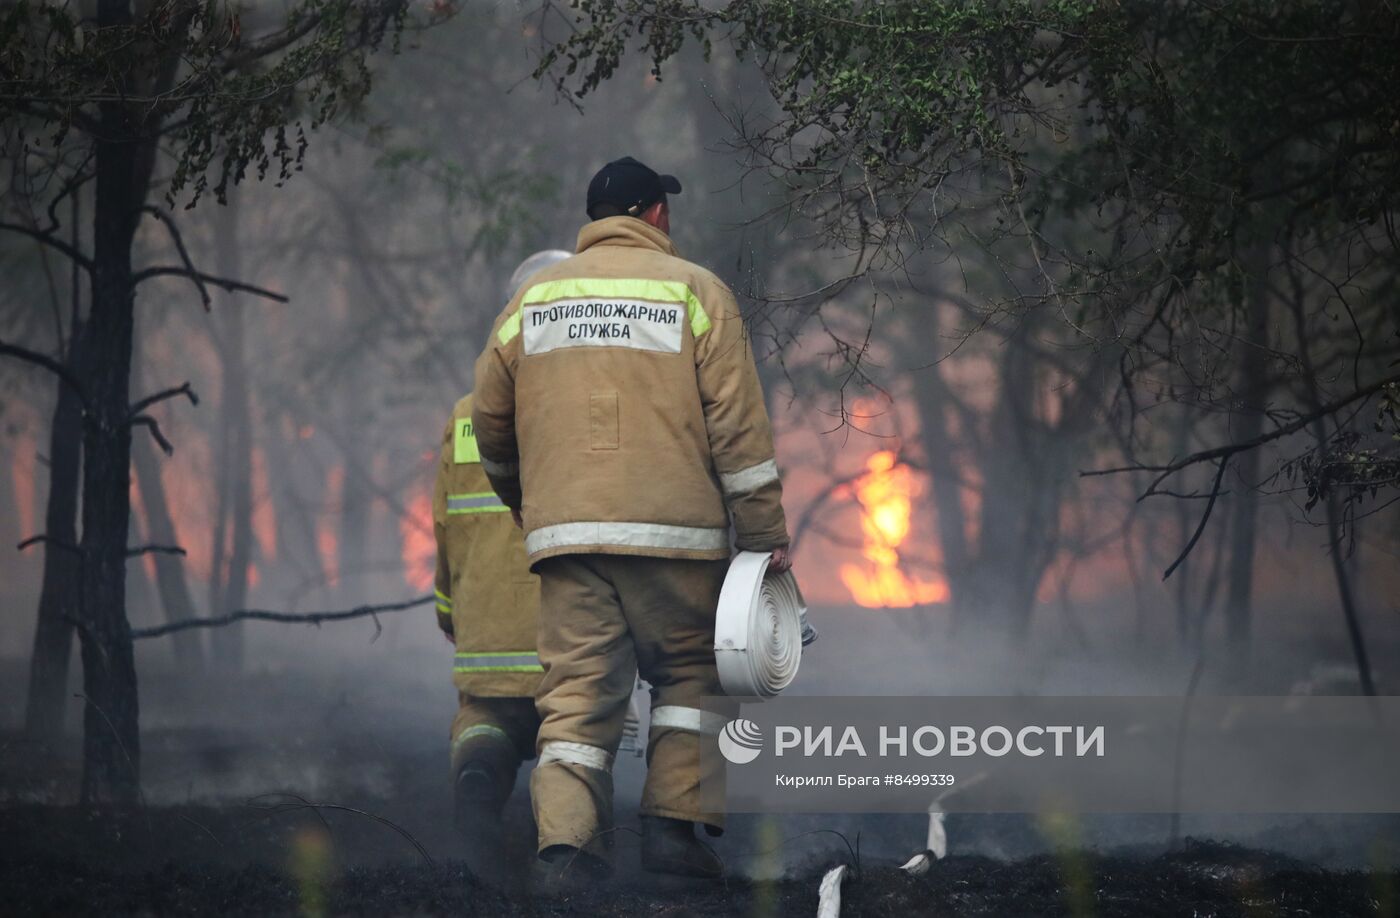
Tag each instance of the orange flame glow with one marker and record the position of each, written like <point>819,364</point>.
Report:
<point>886,492</point>
<point>327,539</point>
<point>419,546</point>
<point>22,479</point>
<point>264,514</point>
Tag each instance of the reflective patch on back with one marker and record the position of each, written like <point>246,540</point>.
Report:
<point>464,443</point>
<point>597,322</point>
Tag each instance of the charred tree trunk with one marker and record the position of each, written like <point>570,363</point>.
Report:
<point>1002,566</point>
<point>1253,389</point>
<point>217,562</point>
<point>936,404</point>
<point>124,154</point>
<point>993,581</point>
<point>1335,534</point>
<point>111,741</point>
<point>1243,516</point>
<point>60,597</point>
<point>1335,540</point>
<point>1184,616</point>
<point>175,596</point>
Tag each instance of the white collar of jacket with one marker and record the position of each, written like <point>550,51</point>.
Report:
<point>625,231</point>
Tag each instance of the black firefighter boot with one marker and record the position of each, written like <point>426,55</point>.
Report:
<point>483,783</point>
<point>563,871</point>
<point>670,846</point>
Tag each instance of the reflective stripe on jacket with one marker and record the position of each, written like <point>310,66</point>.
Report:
<point>617,404</point>
<point>487,599</point>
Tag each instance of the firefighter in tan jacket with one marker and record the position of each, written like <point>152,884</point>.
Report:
<point>618,412</point>
<point>488,604</point>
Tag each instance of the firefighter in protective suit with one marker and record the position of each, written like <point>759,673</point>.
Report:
<point>618,412</point>
<point>487,604</point>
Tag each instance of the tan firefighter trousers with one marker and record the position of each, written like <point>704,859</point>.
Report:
<point>601,615</point>
<point>500,731</point>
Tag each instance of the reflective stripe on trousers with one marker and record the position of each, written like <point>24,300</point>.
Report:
<point>522,661</point>
<point>693,720</point>
<point>476,730</point>
<point>576,754</point>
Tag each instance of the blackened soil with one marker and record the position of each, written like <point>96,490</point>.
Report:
<point>242,861</point>
<point>386,847</point>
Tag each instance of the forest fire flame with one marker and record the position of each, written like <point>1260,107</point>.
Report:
<point>885,493</point>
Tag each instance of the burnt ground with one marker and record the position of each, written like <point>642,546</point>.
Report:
<point>68,861</point>
<point>228,828</point>
<point>369,854</point>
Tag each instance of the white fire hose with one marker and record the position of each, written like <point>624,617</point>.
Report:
<point>760,628</point>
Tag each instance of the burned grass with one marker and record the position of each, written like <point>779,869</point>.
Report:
<point>232,861</point>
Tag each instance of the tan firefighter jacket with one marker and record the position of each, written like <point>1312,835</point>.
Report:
<point>487,599</point>
<point>618,398</point>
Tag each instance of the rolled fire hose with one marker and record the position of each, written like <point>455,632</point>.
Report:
<point>760,628</point>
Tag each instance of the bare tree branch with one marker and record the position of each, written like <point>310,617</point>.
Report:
<point>175,237</point>
<point>1201,526</point>
<point>48,540</point>
<point>51,241</point>
<point>307,618</point>
<point>48,363</point>
<point>150,424</point>
<point>232,286</point>
<point>1230,449</point>
<point>136,550</point>
<point>183,389</point>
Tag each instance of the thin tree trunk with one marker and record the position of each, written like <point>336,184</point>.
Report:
<point>175,596</point>
<point>217,561</point>
<point>60,597</point>
<point>1007,498</point>
<point>1210,590</point>
<point>355,505</point>
<point>1344,593</point>
<point>1239,601</point>
<point>9,503</point>
<point>1182,589</point>
<point>1044,467</point>
<point>296,540</point>
<point>237,456</point>
<point>1253,389</point>
<point>934,402</point>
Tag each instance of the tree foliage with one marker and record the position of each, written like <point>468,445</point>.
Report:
<point>1163,181</point>
<point>248,87</point>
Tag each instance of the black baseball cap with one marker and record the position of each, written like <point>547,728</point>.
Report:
<point>630,186</point>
